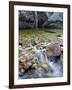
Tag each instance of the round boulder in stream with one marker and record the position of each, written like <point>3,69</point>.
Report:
<point>53,50</point>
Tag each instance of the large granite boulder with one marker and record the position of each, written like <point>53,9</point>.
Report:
<point>53,50</point>
<point>56,16</point>
<point>55,20</point>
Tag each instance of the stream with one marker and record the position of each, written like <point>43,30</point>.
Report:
<point>53,68</point>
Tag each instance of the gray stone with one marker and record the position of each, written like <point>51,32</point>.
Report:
<point>55,20</point>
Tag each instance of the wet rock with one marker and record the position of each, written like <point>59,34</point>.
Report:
<point>39,71</point>
<point>21,69</point>
<point>38,46</point>
<point>54,58</point>
<point>33,42</point>
<point>22,59</point>
<point>24,64</point>
<point>30,55</point>
<point>26,43</point>
<point>20,43</point>
<point>34,66</point>
<point>35,60</point>
<point>27,65</point>
<point>44,66</point>
<point>53,50</point>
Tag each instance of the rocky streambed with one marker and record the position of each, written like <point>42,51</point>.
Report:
<point>40,59</point>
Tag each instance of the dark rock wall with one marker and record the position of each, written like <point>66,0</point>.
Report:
<point>28,19</point>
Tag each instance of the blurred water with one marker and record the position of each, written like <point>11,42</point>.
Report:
<point>57,72</point>
<point>40,72</point>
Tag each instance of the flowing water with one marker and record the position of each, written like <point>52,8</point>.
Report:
<point>57,70</point>
<point>54,66</point>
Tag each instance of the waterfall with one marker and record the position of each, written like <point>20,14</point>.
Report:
<point>53,69</point>
<point>40,54</point>
<point>56,68</point>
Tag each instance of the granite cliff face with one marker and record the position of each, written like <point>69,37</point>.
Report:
<point>34,19</point>
<point>55,20</point>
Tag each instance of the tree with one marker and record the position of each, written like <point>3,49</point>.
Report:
<point>36,19</point>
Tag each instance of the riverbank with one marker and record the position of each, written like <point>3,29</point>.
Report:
<point>40,53</point>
